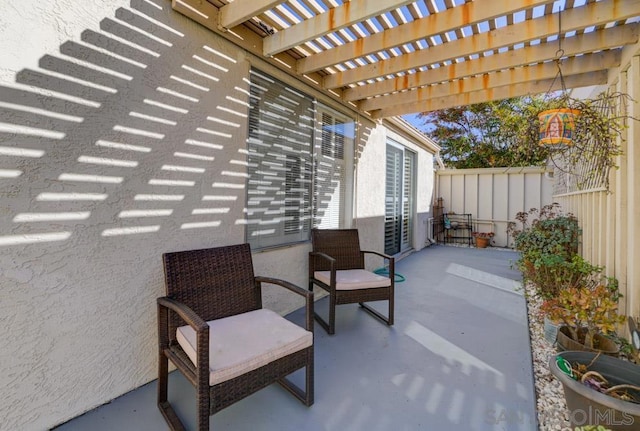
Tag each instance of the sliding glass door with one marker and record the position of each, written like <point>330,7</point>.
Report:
<point>399,199</point>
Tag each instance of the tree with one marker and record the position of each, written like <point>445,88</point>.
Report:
<point>490,134</point>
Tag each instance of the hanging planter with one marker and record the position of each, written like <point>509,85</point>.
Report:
<point>557,127</point>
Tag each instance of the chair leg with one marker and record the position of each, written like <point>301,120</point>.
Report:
<point>332,314</point>
<point>309,373</point>
<point>165,408</point>
<point>163,378</point>
<point>324,324</point>
<point>376,313</point>
<point>329,327</point>
<point>203,406</point>
<point>306,396</point>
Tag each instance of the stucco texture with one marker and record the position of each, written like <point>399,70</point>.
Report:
<point>131,97</point>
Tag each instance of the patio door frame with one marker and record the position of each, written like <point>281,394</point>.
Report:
<point>400,192</point>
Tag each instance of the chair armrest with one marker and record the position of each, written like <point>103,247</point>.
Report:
<point>182,310</point>
<point>332,266</point>
<point>392,264</point>
<point>292,287</point>
<point>386,256</point>
<point>308,296</point>
<point>196,322</point>
<point>324,256</point>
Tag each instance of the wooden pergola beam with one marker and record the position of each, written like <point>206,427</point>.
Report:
<point>239,11</point>
<point>447,20</point>
<point>536,73</point>
<point>575,19</point>
<point>349,13</point>
<point>206,15</point>
<point>597,40</point>
<point>504,92</point>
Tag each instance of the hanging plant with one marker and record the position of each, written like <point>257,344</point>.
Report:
<point>557,127</point>
<point>594,131</point>
<point>582,135</point>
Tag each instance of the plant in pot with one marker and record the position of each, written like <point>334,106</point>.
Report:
<point>588,313</point>
<point>554,274</point>
<point>483,239</point>
<point>548,242</point>
<point>599,389</point>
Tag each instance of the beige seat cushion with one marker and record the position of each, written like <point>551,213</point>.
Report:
<point>245,342</point>
<point>350,279</point>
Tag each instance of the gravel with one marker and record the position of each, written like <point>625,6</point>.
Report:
<point>552,409</point>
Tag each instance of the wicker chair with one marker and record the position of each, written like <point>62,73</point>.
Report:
<point>212,326</point>
<point>336,264</point>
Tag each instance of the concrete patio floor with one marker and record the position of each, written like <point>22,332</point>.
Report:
<point>457,358</point>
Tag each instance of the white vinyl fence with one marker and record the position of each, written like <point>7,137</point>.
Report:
<point>493,196</point>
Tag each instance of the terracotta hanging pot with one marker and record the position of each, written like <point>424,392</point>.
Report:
<point>557,127</point>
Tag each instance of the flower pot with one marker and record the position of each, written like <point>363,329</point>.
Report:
<point>602,344</point>
<point>557,127</point>
<point>590,407</point>
<point>482,242</point>
<point>550,330</point>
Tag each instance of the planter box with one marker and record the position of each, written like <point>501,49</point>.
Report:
<point>565,342</point>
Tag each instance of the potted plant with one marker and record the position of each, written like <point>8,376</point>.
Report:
<point>548,241</point>
<point>599,389</point>
<point>483,239</point>
<point>587,312</point>
<point>593,127</point>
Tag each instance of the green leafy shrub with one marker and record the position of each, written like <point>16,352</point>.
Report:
<point>586,307</point>
<point>546,231</point>
<point>552,273</point>
<point>548,241</point>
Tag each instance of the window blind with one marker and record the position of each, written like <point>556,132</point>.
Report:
<point>279,146</point>
<point>334,133</point>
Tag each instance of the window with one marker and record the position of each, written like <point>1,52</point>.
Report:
<point>334,132</point>
<point>280,163</point>
<point>297,168</point>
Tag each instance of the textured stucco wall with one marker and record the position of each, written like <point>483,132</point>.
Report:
<point>78,295</point>
<point>101,104</point>
<point>370,186</point>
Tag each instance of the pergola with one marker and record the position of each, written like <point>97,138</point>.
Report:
<point>396,57</point>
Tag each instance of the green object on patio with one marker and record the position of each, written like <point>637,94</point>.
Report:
<point>398,278</point>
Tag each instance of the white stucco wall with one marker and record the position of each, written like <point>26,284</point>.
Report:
<point>85,212</point>
<point>78,298</point>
